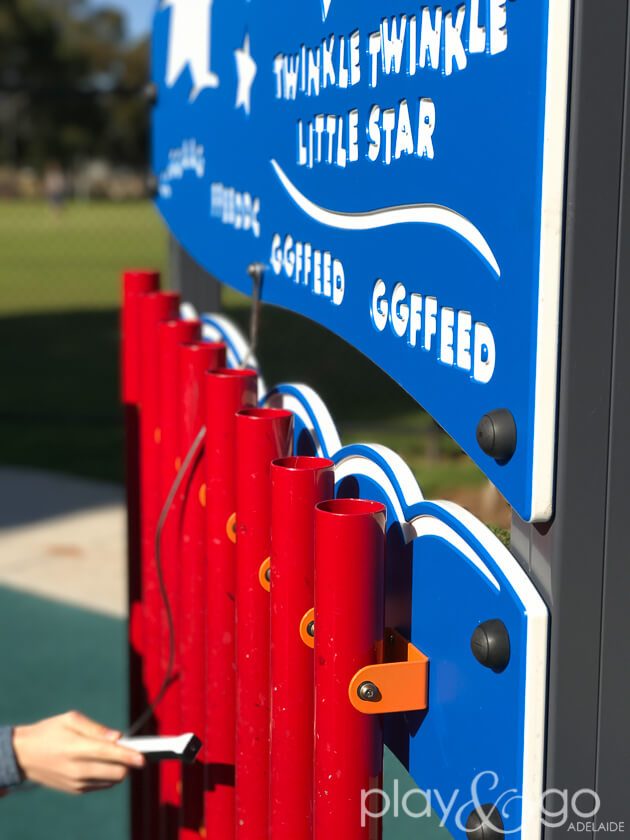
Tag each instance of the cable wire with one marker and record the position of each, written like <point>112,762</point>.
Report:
<point>194,450</point>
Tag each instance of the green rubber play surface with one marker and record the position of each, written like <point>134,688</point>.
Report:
<point>56,658</point>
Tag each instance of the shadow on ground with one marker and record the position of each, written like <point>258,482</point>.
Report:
<point>59,402</point>
<point>59,398</point>
<point>56,658</point>
<point>30,495</point>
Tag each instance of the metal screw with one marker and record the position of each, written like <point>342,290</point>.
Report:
<point>311,629</point>
<point>268,575</point>
<point>369,692</point>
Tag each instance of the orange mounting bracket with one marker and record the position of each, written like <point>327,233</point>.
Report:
<point>399,684</point>
<point>230,528</point>
<point>307,629</point>
<point>264,575</point>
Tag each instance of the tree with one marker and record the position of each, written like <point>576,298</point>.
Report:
<point>128,115</point>
<point>68,84</point>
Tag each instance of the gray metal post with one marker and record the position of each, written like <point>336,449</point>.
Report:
<point>581,562</point>
<point>195,284</point>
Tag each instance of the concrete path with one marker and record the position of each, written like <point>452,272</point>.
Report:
<point>63,538</point>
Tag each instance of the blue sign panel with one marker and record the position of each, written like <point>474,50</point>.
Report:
<point>398,168</point>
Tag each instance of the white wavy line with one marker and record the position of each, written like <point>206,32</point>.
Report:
<point>424,214</point>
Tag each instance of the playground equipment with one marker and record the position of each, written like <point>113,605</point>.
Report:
<point>321,608</point>
<point>440,186</point>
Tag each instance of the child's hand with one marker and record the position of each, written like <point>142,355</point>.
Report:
<point>73,754</point>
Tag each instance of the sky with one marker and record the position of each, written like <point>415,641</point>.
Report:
<point>139,12</point>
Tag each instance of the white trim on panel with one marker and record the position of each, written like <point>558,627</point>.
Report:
<point>536,667</point>
<point>330,444</point>
<point>551,241</point>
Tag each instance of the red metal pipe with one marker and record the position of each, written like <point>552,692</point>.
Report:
<point>227,392</point>
<point>171,335</point>
<point>297,486</point>
<point>349,629</point>
<point>135,284</point>
<point>154,308</point>
<point>194,362</point>
<point>263,436</point>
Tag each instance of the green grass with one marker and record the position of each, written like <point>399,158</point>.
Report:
<point>73,262</point>
<point>59,293</point>
<point>59,296</point>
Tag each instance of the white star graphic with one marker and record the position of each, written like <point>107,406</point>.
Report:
<point>247,69</point>
<point>189,43</point>
<point>326,7</point>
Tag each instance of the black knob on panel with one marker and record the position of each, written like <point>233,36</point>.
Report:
<point>150,93</point>
<point>485,823</point>
<point>152,186</point>
<point>490,645</point>
<point>496,434</point>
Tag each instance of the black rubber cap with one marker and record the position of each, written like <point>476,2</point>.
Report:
<point>150,93</point>
<point>486,825</point>
<point>153,187</point>
<point>496,434</point>
<point>490,645</point>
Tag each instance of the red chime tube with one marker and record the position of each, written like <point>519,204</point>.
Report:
<point>227,392</point>
<point>349,619</point>
<point>297,486</point>
<point>135,284</point>
<point>263,436</point>
<point>154,308</point>
<point>194,362</point>
<point>171,335</point>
